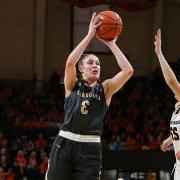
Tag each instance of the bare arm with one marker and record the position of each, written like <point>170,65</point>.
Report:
<point>166,143</point>
<point>112,85</point>
<point>168,74</point>
<point>70,68</point>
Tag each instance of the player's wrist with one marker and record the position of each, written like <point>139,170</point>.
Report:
<point>159,53</point>
<point>90,34</point>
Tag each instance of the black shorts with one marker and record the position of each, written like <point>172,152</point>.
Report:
<point>74,160</point>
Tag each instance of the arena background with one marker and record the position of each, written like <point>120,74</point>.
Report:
<point>36,37</point>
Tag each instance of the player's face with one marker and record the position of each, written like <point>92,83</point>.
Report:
<point>91,68</point>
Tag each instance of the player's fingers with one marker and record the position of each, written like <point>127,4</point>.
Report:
<point>159,32</point>
<point>162,147</point>
<point>99,18</point>
<point>156,37</point>
<point>155,44</point>
<point>98,24</point>
<point>96,20</point>
<point>93,17</point>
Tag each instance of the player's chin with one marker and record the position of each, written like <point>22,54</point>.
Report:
<point>95,77</point>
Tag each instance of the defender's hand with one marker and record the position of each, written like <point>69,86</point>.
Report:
<point>165,146</point>
<point>157,42</point>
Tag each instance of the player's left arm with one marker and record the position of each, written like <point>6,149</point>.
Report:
<point>166,144</point>
<point>112,85</point>
<point>168,73</point>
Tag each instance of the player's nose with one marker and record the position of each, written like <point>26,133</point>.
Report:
<point>95,65</point>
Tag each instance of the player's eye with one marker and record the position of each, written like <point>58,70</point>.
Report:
<point>90,62</point>
<point>98,63</point>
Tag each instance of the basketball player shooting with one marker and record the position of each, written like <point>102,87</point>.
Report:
<point>174,85</point>
<point>76,152</point>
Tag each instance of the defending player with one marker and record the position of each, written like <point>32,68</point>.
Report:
<point>174,85</point>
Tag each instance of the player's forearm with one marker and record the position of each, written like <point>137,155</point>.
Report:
<point>168,74</point>
<point>121,59</point>
<point>78,51</point>
<point>168,141</point>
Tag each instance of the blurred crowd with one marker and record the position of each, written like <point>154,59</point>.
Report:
<point>137,119</point>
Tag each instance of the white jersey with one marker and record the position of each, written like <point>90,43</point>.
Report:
<point>175,128</point>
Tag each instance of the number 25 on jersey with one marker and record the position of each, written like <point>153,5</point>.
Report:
<point>174,133</point>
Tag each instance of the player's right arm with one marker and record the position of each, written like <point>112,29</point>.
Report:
<point>70,68</point>
<point>168,74</point>
<point>114,84</point>
<point>166,144</point>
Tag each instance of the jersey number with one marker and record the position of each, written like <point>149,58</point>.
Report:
<point>84,107</point>
<point>174,134</point>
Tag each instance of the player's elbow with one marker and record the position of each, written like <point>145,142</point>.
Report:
<point>129,72</point>
<point>69,63</point>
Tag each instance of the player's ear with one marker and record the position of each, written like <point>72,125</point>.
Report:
<point>81,68</point>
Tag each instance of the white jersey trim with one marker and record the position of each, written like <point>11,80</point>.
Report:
<point>79,137</point>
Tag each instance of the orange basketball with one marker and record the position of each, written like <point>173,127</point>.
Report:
<point>111,26</point>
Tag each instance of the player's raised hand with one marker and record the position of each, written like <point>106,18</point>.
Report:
<point>94,23</point>
<point>157,42</point>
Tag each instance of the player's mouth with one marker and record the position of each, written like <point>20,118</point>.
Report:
<point>95,71</point>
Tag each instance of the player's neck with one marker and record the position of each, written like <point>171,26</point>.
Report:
<point>90,83</point>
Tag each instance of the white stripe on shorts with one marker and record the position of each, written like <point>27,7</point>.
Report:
<point>79,137</point>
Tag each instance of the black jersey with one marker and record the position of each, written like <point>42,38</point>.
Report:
<point>85,109</point>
